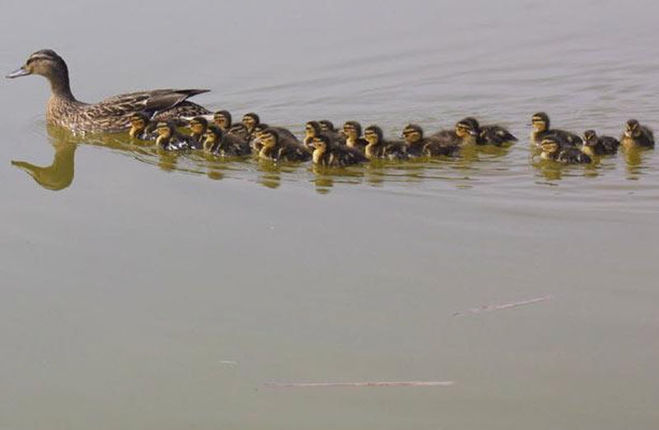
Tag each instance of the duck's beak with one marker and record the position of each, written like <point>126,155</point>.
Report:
<point>473,132</point>
<point>18,73</point>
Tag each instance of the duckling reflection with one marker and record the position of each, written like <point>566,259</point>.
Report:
<point>637,135</point>
<point>59,174</point>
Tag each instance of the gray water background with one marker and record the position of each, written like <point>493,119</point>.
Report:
<point>140,297</point>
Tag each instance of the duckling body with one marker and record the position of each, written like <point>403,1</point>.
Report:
<point>276,149</point>
<point>141,128</point>
<point>328,154</point>
<point>542,130</point>
<point>554,149</point>
<point>594,145</point>
<point>494,135</point>
<point>573,155</point>
<point>169,139</point>
<point>223,144</point>
<point>419,145</point>
<point>379,148</point>
<point>110,115</point>
<point>637,135</point>
<point>352,136</point>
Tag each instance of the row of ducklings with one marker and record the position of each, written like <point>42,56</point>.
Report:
<point>329,147</point>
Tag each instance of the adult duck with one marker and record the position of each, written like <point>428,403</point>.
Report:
<point>110,115</point>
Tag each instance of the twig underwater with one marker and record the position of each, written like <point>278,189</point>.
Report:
<point>492,308</point>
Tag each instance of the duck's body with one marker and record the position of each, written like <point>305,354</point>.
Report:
<point>276,149</point>
<point>141,128</point>
<point>379,148</point>
<point>542,130</point>
<point>637,135</point>
<point>218,142</point>
<point>419,145</point>
<point>328,154</point>
<point>494,135</point>
<point>352,136</point>
<point>554,149</point>
<point>110,115</point>
<point>465,133</point>
<point>594,145</point>
<point>169,139</point>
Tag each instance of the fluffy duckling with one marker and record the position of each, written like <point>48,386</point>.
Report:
<point>378,147</point>
<point>171,140</point>
<point>327,128</point>
<point>198,126</point>
<point>326,153</point>
<point>285,135</point>
<point>276,149</point>
<point>239,130</point>
<point>541,129</point>
<point>598,145</point>
<point>311,130</point>
<point>465,133</point>
<point>219,142</point>
<point>418,145</point>
<point>222,119</point>
<point>636,134</point>
<point>250,120</point>
<point>492,134</point>
<point>352,130</point>
<point>141,127</point>
<point>554,149</point>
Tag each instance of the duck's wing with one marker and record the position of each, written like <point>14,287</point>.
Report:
<point>495,135</point>
<point>149,101</point>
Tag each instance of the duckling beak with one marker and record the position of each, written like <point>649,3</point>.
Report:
<point>18,73</point>
<point>473,132</point>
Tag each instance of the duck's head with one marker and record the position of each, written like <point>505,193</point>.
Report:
<point>164,130</point>
<point>412,134</point>
<point>269,138</point>
<point>311,129</point>
<point>632,128</point>
<point>352,129</point>
<point>198,125</point>
<point>589,138</point>
<point>540,121</point>
<point>326,125</point>
<point>239,129</point>
<point>138,123</point>
<point>222,118</point>
<point>467,127</point>
<point>45,63</point>
<point>320,143</point>
<point>250,120</point>
<point>212,137</point>
<point>373,134</point>
<point>550,146</point>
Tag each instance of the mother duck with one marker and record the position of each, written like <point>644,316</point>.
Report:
<point>110,115</point>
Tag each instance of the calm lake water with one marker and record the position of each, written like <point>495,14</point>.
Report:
<point>165,293</point>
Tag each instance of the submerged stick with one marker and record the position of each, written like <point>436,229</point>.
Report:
<point>359,384</point>
<point>490,308</point>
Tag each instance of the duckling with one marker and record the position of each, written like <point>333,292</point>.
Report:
<point>598,145</point>
<point>272,148</point>
<point>540,123</point>
<point>378,147</point>
<point>222,119</point>
<point>170,139</point>
<point>285,135</point>
<point>465,133</point>
<point>311,130</point>
<point>492,134</point>
<point>327,128</point>
<point>636,134</point>
<point>251,120</point>
<point>239,130</point>
<point>419,146</point>
<point>326,153</point>
<point>352,130</point>
<point>198,126</point>
<point>554,149</point>
<point>111,115</point>
<point>140,127</point>
<point>219,142</point>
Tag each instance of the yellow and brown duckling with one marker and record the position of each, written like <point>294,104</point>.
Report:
<point>378,147</point>
<point>352,132</point>
<point>554,149</point>
<point>327,153</point>
<point>285,135</point>
<point>276,149</point>
<point>170,139</point>
<point>492,134</point>
<point>239,129</point>
<point>110,115</point>
<point>419,145</point>
<point>328,129</point>
<point>251,120</point>
<point>141,127</point>
<point>311,130</point>
<point>594,145</point>
<point>224,144</point>
<point>222,119</point>
<point>465,133</point>
<point>542,129</point>
<point>198,126</point>
<point>637,135</point>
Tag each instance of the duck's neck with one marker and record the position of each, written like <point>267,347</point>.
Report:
<point>59,84</point>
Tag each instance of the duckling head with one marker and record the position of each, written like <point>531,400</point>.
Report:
<point>412,134</point>
<point>540,121</point>
<point>222,118</point>
<point>212,137</point>
<point>269,138</point>
<point>311,129</point>
<point>326,125</point>
<point>550,147</point>
<point>373,134</point>
<point>589,142</point>
<point>250,120</point>
<point>46,63</point>
<point>198,125</point>
<point>320,145</point>
<point>632,128</point>
<point>239,129</point>
<point>138,123</point>
<point>467,127</point>
<point>352,130</point>
<point>165,131</point>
